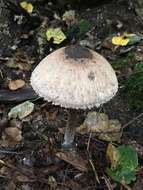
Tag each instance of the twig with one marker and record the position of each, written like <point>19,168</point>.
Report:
<point>126,186</point>
<point>10,152</point>
<point>94,170</point>
<point>134,119</point>
<point>89,139</point>
<point>18,170</point>
<point>1,74</point>
<point>109,186</point>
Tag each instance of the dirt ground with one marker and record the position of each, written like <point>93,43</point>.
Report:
<point>38,162</point>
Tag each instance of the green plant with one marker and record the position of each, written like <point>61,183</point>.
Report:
<point>124,62</point>
<point>134,87</point>
<point>124,164</point>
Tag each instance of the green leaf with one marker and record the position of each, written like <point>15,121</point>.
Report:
<point>84,26</point>
<point>77,30</point>
<point>134,39</point>
<point>139,67</point>
<point>126,166</point>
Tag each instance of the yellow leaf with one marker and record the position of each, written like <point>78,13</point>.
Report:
<point>112,155</point>
<point>120,40</point>
<point>57,35</point>
<point>23,4</point>
<point>27,6</point>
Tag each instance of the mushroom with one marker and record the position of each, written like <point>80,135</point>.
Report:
<point>74,77</point>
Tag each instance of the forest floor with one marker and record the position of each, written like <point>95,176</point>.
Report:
<point>31,157</point>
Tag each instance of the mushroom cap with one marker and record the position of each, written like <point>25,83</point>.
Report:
<point>75,77</point>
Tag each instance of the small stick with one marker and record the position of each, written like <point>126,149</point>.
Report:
<point>10,152</point>
<point>109,186</point>
<point>134,119</point>
<point>126,186</point>
<point>89,139</point>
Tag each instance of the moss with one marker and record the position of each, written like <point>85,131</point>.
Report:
<point>134,82</point>
<point>134,87</point>
<point>124,62</point>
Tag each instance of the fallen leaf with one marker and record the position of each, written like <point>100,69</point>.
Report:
<point>74,159</point>
<point>126,39</point>
<point>21,60</point>
<point>112,155</point>
<point>27,6</point>
<point>22,110</point>
<point>69,17</point>
<point>107,43</point>
<point>52,182</point>
<point>57,35</point>
<point>133,39</point>
<point>16,174</point>
<point>18,64</point>
<point>23,178</point>
<point>11,186</point>
<point>16,84</point>
<point>120,40</point>
<point>13,133</point>
<point>10,132</point>
<point>11,136</point>
<point>100,125</point>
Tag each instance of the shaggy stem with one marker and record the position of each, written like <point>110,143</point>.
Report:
<point>70,129</point>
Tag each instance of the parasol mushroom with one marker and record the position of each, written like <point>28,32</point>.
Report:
<point>74,77</point>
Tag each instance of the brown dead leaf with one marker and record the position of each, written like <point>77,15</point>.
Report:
<point>13,64</point>
<point>107,43</point>
<point>100,125</point>
<point>11,186</point>
<point>16,84</point>
<point>11,136</point>
<point>23,178</point>
<point>21,60</point>
<point>74,159</point>
<point>16,174</point>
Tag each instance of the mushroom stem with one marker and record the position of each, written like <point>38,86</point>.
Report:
<point>70,129</point>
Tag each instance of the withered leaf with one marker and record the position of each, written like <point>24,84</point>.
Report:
<point>16,84</point>
<point>74,159</point>
<point>11,136</point>
<point>22,110</point>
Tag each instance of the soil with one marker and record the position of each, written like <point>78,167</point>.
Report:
<point>38,161</point>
